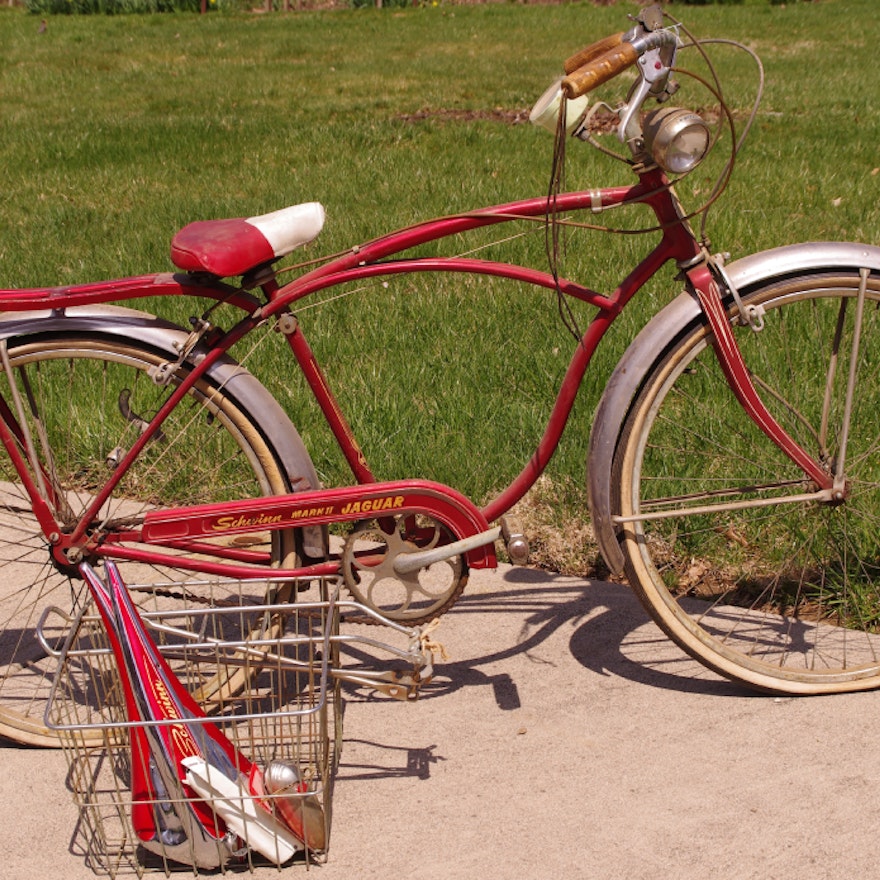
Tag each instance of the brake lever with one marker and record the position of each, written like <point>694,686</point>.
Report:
<point>654,66</point>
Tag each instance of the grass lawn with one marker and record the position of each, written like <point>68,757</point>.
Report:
<point>118,130</point>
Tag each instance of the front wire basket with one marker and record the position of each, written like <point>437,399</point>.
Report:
<point>268,678</point>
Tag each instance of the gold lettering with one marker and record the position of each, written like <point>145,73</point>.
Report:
<point>163,698</point>
<point>183,740</point>
<point>224,523</point>
<point>389,502</point>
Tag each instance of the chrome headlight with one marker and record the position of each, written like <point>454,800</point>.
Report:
<point>677,139</point>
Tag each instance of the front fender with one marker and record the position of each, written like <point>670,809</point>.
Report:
<point>163,336</point>
<point>655,338</point>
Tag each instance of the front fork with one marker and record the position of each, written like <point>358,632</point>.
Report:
<point>703,280</point>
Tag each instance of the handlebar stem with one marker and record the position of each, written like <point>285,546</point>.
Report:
<point>657,50</point>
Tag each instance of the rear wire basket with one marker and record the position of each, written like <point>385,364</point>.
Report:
<point>268,677</point>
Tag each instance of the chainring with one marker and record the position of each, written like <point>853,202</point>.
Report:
<point>413,598</point>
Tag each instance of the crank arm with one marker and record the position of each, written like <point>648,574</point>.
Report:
<point>398,686</point>
<point>408,563</point>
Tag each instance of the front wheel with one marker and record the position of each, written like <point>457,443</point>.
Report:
<point>783,595</point>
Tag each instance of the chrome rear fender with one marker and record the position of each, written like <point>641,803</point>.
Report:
<point>165,338</point>
<point>654,340</point>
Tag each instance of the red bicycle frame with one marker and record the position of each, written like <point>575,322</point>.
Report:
<point>186,528</point>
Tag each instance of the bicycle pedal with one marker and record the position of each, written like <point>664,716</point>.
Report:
<point>515,542</point>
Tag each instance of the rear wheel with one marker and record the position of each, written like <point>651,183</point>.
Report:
<point>86,399</point>
<point>783,595</point>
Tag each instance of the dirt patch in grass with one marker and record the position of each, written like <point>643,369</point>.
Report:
<point>602,122</point>
<point>509,117</point>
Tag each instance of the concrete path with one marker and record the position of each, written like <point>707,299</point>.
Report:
<point>565,738</point>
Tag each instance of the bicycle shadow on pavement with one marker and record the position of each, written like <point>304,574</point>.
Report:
<point>395,762</point>
<point>611,635</point>
<point>518,615</point>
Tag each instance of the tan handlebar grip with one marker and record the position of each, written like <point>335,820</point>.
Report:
<point>587,54</point>
<point>599,70</point>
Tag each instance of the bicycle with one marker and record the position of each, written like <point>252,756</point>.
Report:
<point>743,523</point>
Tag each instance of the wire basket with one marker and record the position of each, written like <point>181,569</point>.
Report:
<point>264,678</point>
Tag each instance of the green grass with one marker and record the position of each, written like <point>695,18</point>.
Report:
<point>119,130</point>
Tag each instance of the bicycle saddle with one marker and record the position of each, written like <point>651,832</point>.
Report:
<point>233,247</point>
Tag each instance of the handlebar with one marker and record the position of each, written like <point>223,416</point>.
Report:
<point>609,57</point>
<point>591,52</point>
<point>595,73</point>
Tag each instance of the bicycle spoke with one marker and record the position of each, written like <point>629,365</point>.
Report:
<point>851,382</point>
<point>832,372</point>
